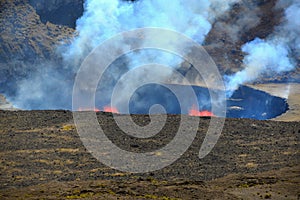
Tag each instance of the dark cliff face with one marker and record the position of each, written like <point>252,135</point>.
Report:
<point>25,42</point>
<point>63,12</point>
<point>24,36</point>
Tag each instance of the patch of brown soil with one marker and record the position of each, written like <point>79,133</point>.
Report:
<point>276,184</point>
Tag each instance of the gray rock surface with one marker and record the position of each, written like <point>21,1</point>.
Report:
<point>63,12</point>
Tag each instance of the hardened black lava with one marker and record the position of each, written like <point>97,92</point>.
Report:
<point>245,102</point>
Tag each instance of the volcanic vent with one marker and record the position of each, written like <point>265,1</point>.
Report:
<point>245,102</point>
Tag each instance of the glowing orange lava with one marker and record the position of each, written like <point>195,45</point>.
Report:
<point>205,113</point>
<point>105,109</point>
<point>110,109</point>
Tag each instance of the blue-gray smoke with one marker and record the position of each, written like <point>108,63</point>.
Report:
<point>51,89</point>
<point>102,19</point>
<point>274,54</point>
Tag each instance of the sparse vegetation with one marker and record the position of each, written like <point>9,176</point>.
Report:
<point>61,166</point>
<point>68,127</point>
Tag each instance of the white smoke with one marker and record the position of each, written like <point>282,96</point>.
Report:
<point>274,54</point>
<point>46,88</point>
<point>103,19</point>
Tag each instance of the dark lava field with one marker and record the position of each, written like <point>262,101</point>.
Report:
<point>42,157</point>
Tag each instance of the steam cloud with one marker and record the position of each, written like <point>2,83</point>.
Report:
<point>273,54</point>
<point>103,19</point>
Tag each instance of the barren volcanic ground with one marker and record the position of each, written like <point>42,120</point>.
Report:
<point>42,157</point>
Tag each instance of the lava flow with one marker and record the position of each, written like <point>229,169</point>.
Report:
<point>205,113</point>
<point>110,109</point>
<point>105,109</point>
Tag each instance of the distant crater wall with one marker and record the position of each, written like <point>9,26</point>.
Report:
<point>64,12</point>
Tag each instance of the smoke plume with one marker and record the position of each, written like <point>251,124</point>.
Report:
<point>102,19</point>
<point>234,24</point>
<point>274,54</point>
<point>51,87</point>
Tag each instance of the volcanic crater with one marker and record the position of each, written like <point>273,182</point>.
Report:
<point>43,157</point>
<point>245,102</point>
